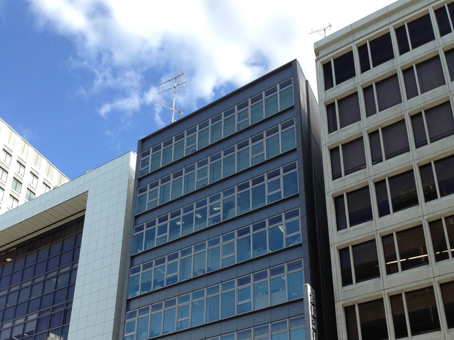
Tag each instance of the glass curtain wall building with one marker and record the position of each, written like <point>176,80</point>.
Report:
<point>386,102</point>
<point>229,219</point>
<point>63,258</point>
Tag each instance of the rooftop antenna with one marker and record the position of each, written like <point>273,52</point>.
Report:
<point>178,81</point>
<point>324,29</point>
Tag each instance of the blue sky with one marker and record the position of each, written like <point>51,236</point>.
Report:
<point>77,77</point>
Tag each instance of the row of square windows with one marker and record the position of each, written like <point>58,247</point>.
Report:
<point>408,36</point>
<point>20,170</point>
<point>402,250</point>
<point>237,118</point>
<point>395,193</point>
<point>256,291</point>
<point>386,93</point>
<point>243,155</point>
<point>287,329</point>
<point>248,242</point>
<point>392,140</point>
<point>40,325</point>
<point>255,193</point>
<point>410,313</point>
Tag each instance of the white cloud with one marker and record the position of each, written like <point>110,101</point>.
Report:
<point>213,42</point>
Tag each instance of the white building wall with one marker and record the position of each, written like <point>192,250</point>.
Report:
<point>20,151</point>
<point>434,273</point>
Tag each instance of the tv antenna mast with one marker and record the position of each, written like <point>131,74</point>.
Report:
<point>324,29</point>
<point>178,81</point>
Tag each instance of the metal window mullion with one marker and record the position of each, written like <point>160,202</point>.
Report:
<point>397,251</point>
<point>407,320</point>
<point>445,233</point>
<point>358,322</point>
<point>352,263</point>
<point>434,172</point>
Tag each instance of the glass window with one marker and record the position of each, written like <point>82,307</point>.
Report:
<point>348,108</point>
<point>429,74</point>
<point>402,192</point>
<point>447,292</point>
<point>450,58</point>
<point>344,67</point>
<point>381,49</point>
<point>328,75</point>
<point>353,156</point>
<point>421,311</point>
<point>444,169</point>
<point>359,208</point>
<point>373,320</point>
<point>388,93</point>
<point>16,185</point>
<point>365,263</point>
<point>442,232</point>
<point>444,26</point>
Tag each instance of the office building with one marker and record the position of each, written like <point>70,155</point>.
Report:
<point>229,221</point>
<point>386,101</point>
<point>63,258</point>
<point>24,172</point>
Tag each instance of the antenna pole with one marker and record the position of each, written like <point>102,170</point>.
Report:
<point>174,88</point>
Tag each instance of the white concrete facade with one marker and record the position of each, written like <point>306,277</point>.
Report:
<point>24,172</point>
<point>104,197</point>
<point>388,282</point>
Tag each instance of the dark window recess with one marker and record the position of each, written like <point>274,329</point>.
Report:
<point>394,139</point>
<point>447,292</point>
<point>399,320</point>
<point>352,324</point>
<point>348,112</point>
<point>346,266</point>
<point>336,169</point>
<point>341,217</point>
<point>344,67</point>
<point>444,27</point>
<point>358,208</point>
<point>430,76</point>
<point>372,321</point>
<point>402,193</point>
<point>404,250</point>
<point>328,75</point>
<point>387,94</point>
<point>420,32</point>
<point>365,262</point>
<point>450,60</point>
<point>352,155</point>
<point>364,58</point>
<point>442,232</point>
<point>421,312</point>
<point>438,121</point>
<point>402,39</point>
<point>381,50</point>
<point>444,174</point>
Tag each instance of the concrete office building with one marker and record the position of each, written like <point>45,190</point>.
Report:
<point>229,220</point>
<point>386,101</point>
<point>63,258</point>
<point>24,172</point>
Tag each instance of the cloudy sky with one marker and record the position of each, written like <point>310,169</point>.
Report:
<point>77,77</point>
